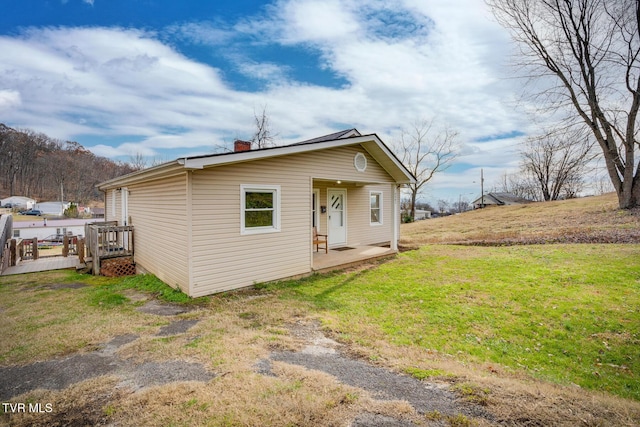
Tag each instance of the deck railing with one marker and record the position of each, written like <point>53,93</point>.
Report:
<point>28,249</point>
<point>6,225</point>
<point>107,240</point>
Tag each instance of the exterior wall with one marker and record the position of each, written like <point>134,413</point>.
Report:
<point>158,211</point>
<point>223,259</point>
<point>113,206</point>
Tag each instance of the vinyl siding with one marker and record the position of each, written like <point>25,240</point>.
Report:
<point>224,259</point>
<point>113,210</point>
<point>158,211</point>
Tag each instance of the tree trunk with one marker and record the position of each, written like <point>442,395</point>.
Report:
<point>414,196</point>
<point>629,198</point>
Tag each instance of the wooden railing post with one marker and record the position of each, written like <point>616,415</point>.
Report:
<point>80,249</point>
<point>35,248</point>
<point>13,260</point>
<point>65,246</point>
<point>95,253</point>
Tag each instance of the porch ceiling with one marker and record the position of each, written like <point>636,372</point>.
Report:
<point>352,183</point>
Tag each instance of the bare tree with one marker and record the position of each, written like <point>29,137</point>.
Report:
<point>591,51</point>
<point>517,184</point>
<point>41,167</point>
<point>426,150</point>
<point>556,161</point>
<point>263,137</point>
<point>443,206</point>
<point>137,161</point>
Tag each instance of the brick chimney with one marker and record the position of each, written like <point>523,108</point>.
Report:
<point>239,145</point>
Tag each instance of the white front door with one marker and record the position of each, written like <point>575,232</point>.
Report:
<point>337,216</point>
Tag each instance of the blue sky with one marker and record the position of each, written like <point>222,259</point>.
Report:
<point>166,78</point>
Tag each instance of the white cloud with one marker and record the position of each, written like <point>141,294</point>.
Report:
<point>9,99</point>
<point>317,21</point>
<point>401,60</point>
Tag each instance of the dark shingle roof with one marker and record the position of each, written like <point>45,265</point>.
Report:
<point>508,197</point>
<point>331,136</point>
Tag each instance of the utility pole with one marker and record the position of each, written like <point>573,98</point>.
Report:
<point>481,188</point>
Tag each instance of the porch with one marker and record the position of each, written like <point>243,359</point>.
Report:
<point>106,241</point>
<point>347,256</point>
<point>42,264</point>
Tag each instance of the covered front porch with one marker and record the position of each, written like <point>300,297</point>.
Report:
<point>346,256</point>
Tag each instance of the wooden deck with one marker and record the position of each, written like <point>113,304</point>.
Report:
<point>42,264</point>
<point>339,259</point>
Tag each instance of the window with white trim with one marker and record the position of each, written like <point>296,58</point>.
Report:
<point>259,209</point>
<point>376,207</point>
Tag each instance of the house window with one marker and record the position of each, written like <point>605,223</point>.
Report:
<point>260,209</point>
<point>16,234</point>
<point>376,207</point>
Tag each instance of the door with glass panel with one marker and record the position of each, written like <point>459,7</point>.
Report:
<point>337,200</point>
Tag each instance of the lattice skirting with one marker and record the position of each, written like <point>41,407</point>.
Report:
<point>116,267</point>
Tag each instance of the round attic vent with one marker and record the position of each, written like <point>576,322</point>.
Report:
<point>360,162</point>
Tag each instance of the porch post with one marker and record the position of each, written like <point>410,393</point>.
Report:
<point>395,234</point>
<point>13,255</point>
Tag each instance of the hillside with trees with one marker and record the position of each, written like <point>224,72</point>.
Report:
<point>35,165</point>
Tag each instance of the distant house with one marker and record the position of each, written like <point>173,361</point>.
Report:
<point>212,223</point>
<point>498,199</point>
<point>422,214</point>
<point>41,229</point>
<point>97,212</point>
<point>52,208</point>
<point>18,202</point>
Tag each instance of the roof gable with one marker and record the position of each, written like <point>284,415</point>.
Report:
<point>371,143</point>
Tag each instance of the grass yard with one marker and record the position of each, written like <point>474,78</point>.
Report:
<point>564,313</point>
<point>535,334</point>
<point>499,326</point>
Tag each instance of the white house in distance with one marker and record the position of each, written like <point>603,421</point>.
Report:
<point>52,208</point>
<point>42,230</point>
<point>212,223</point>
<point>498,199</point>
<point>18,202</point>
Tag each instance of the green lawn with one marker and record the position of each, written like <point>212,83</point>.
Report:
<point>565,313</point>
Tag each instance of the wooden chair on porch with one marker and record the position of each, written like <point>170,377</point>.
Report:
<point>320,239</point>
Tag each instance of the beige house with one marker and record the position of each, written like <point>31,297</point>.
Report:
<point>213,223</point>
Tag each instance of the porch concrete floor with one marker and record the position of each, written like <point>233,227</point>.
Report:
<point>337,259</point>
<point>42,264</point>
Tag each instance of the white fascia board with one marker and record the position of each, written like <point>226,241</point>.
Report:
<point>155,172</point>
<point>246,156</point>
<point>408,177</point>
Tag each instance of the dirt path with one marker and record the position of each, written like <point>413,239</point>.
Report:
<point>326,355</point>
<point>58,374</point>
